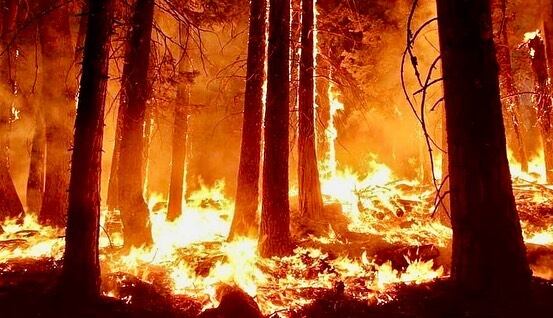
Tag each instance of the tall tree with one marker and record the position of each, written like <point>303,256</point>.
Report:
<point>245,222</point>
<point>274,237</point>
<point>10,205</point>
<point>80,279</point>
<point>35,182</point>
<point>489,260</point>
<point>180,131</point>
<point>121,13</point>
<point>310,199</point>
<point>548,33</point>
<point>113,188</point>
<point>59,92</point>
<point>511,107</point>
<point>134,94</point>
<point>544,105</point>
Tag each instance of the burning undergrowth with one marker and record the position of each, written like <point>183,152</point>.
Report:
<point>375,235</point>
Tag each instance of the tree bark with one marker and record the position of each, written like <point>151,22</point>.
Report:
<point>122,13</point>
<point>135,91</point>
<point>544,107</point>
<point>275,216</point>
<point>310,198</point>
<point>489,262</point>
<point>80,279</point>
<point>245,221</point>
<point>35,182</point>
<point>113,189</point>
<point>59,92</point>
<point>511,104</point>
<point>180,131</point>
<point>548,33</point>
<point>10,204</point>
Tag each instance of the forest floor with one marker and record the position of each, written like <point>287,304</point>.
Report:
<point>28,286</point>
<point>28,290</point>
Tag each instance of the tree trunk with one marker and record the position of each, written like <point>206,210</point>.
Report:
<point>113,189</point>
<point>548,33</point>
<point>295,54</point>
<point>35,182</point>
<point>10,205</point>
<point>245,220</point>
<point>274,237</point>
<point>135,91</point>
<point>322,100</point>
<point>310,199</point>
<point>80,279</point>
<point>489,262</point>
<point>180,131</point>
<point>59,92</point>
<point>121,13</point>
<point>544,107</point>
<point>511,104</point>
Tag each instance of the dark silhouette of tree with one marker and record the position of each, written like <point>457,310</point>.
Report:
<point>310,199</point>
<point>245,220</point>
<point>80,279</point>
<point>134,94</point>
<point>548,33</point>
<point>489,261</point>
<point>35,182</point>
<point>180,131</point>
<point>10,205</point>
<point>59,93</point>
<point>511,106</point>
<point>274,237</point>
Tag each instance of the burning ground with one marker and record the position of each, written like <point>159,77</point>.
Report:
<point>378,236</point>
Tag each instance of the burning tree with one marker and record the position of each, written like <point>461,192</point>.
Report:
<point>310,199</point>
<point>134,96</point>
<point>10,205</point>
<point>245,220</point>
<point>507,86</point>
<point>543,94</point>
<point>180,131</point>
<point>274,236</point>
<point>80,280</point>
<point>58,70</point>
<point>489,258</point>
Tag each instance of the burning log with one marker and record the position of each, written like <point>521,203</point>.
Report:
<point>234,303</point>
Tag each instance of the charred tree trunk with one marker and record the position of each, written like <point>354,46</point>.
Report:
<point>35,182</point>
<point>295,52</point>
<point>180,131</point>
<point>548,33</point>
<point>245,220</point>
<point>59,92</point>
<point>489,262</point>
<point>80,279</point>
<point>113,189</point>
<point>323,107</point>
<point>10,205</point>
<point>274,237</point>
<point>121,13</point>
<point>310,198</point>
<point>544,107</point>
<point>511,104</point>
<point>135,91</point>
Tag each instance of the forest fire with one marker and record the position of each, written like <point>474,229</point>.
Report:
<point>191,254</point>
<point>276,158</point>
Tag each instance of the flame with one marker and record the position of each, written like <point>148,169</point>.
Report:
<point>194,259</point>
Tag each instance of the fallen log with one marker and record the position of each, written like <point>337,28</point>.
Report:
<point>234,303</point>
